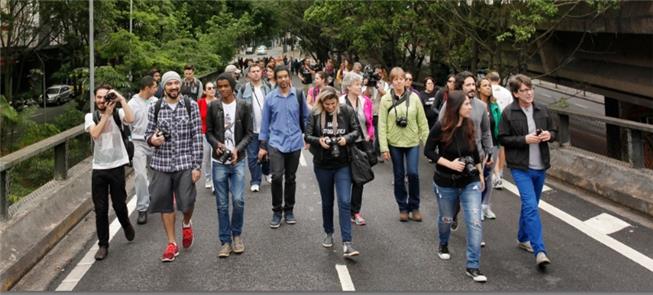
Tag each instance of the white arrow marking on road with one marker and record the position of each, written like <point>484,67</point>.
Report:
<point>345,278</point>
<point>606,223</point>
<point>604,239</point>
<point>76,275</point>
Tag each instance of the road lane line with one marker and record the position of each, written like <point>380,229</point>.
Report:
<point>606,223</point>
<point>70,282</point>
<point>302,161</point>
<point>604,239</point>
<point>345,278</point>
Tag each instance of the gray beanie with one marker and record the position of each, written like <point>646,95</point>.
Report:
<point>169,76</point>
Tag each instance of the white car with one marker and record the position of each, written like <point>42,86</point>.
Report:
<point>58,94</point>
<point>261,50</point>
<point>249,50</point>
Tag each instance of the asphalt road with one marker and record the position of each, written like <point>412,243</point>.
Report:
<point>394,256</point>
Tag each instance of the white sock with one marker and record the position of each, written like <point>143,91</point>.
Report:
<point>186,225</point>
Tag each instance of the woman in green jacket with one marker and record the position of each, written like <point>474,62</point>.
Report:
<point>402,125</point>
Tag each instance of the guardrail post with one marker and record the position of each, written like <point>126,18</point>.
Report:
<point>4,193</point>
<point>635,148</point>
<point>563,130</point>
<point>61,161</point>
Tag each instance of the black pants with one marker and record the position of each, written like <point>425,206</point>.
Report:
<point>283,167</point>
<point>104,183</point>
<point>356,198</point>
<point>377,146</point>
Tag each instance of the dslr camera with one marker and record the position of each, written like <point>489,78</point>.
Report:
<point>470,167</point>
<point>110,97</point>
<point>372,78</point>
<point>226,155</point>
<point>333,146</point>
<point>164,130</point>
<point>402,122</point>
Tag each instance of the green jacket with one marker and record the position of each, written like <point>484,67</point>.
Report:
<point>391,134</point>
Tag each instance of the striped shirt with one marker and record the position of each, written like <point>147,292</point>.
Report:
<point>183,149</point>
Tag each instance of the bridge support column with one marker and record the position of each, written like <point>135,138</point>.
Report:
<point>613,133</point>
<point>4,193</point>
<point>61,161</point>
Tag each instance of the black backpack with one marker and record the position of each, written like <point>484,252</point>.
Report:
<point>125,132</point>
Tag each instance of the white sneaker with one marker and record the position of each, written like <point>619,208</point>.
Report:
<point>268,178</point>
<point>208,184</point>
<point>487,213</point>
<point>497,182</point>
<point>254,188</point>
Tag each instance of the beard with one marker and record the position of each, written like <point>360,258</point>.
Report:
<point>172,93</point>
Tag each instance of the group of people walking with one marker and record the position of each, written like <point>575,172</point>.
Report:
<point>464,128</point>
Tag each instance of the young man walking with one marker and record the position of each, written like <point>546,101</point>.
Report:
<point>109,158</point>
<point>229,130</point>
<point>175,130</point>
<point>191,86</point>
<point>254,93</point>
<point>139,104</point>
<point>282,125</point>
<point>525,130</point>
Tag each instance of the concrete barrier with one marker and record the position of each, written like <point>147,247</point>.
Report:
<point>607,177</point>
<point>41,220</point>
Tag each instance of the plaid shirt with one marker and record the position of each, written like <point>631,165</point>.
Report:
<point>184,148</point>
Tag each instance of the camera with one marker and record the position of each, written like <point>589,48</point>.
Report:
<point>110,96</point>
<point>538,131</point>
<point>333,146</point>
<point>402,122</point>
<point>372,78</point>
<point>470,167</point>
<point>164,130</point>
<point>226,156</point>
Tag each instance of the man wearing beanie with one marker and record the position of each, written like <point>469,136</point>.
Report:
<point>175,131</point>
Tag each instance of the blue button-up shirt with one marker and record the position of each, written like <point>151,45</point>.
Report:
<point>280,123</point>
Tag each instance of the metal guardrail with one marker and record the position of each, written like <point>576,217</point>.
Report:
<point>634,132</point>
<point>60,144</point>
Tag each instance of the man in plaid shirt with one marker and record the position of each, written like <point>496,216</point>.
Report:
<point>175,131</point>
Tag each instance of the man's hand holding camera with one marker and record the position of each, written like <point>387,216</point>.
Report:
<point>538,136</point>
<point>224,154</point>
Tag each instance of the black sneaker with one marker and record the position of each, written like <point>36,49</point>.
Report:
<point>443,252</point>
<point>454,225</point>
<point>476,275</point>
<point>142,217</point>
<point>276,220</point>
<point>101,253</point>
<point>129,232</point>
<point>290,217</point>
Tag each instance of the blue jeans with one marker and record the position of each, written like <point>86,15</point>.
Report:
<point>341,178</point>
<point>406,201</point>
<point>229,179</point>
<point>255,169</point>
<point>470,199</point>
<point>530,184</point>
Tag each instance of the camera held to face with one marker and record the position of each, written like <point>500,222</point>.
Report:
<point>110,97</point>
<point>470,166</point>
<point>333,146</point>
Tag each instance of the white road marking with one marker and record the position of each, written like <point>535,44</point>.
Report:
<point>70,282</point>
<point>604,239</point>
<point>302,161</point>
<point>606,223</point>
<point>345,278</point>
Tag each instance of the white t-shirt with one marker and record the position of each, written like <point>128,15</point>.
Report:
<point>229,126</point>
<point>109,151</point>
<point>502,95</point>
<point>258,100</point>
<point>140,108</point>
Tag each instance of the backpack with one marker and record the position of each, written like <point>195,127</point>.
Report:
<point>125,133</point>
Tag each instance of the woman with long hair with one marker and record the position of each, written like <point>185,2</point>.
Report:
<point>331,131</point>
<point>402,126</point>
<point>443,94</point>
<point>427,96</point>
<point>458,178</point>
<point>270,80</point>
<point>485,94</point>
<point>314,91</point>
<point>362,105</point>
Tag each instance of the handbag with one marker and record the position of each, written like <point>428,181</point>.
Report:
<point>367,147</point>
<point>361,171</point>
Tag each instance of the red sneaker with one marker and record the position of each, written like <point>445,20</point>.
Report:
<point>188,236</point>
<point>171,252</point>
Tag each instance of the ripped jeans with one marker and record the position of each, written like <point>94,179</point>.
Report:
<point>470,199</point>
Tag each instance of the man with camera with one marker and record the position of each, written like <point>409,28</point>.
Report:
<point>109,158</point>
<point>525,129</point>
<point>140,103</point>
<point>229,131</point>
<point>174,129</point>
<point>254,93</point>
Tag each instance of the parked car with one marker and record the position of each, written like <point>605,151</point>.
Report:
<point>261,50</point>
<point>249,50</point>
<point>58,94</point>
